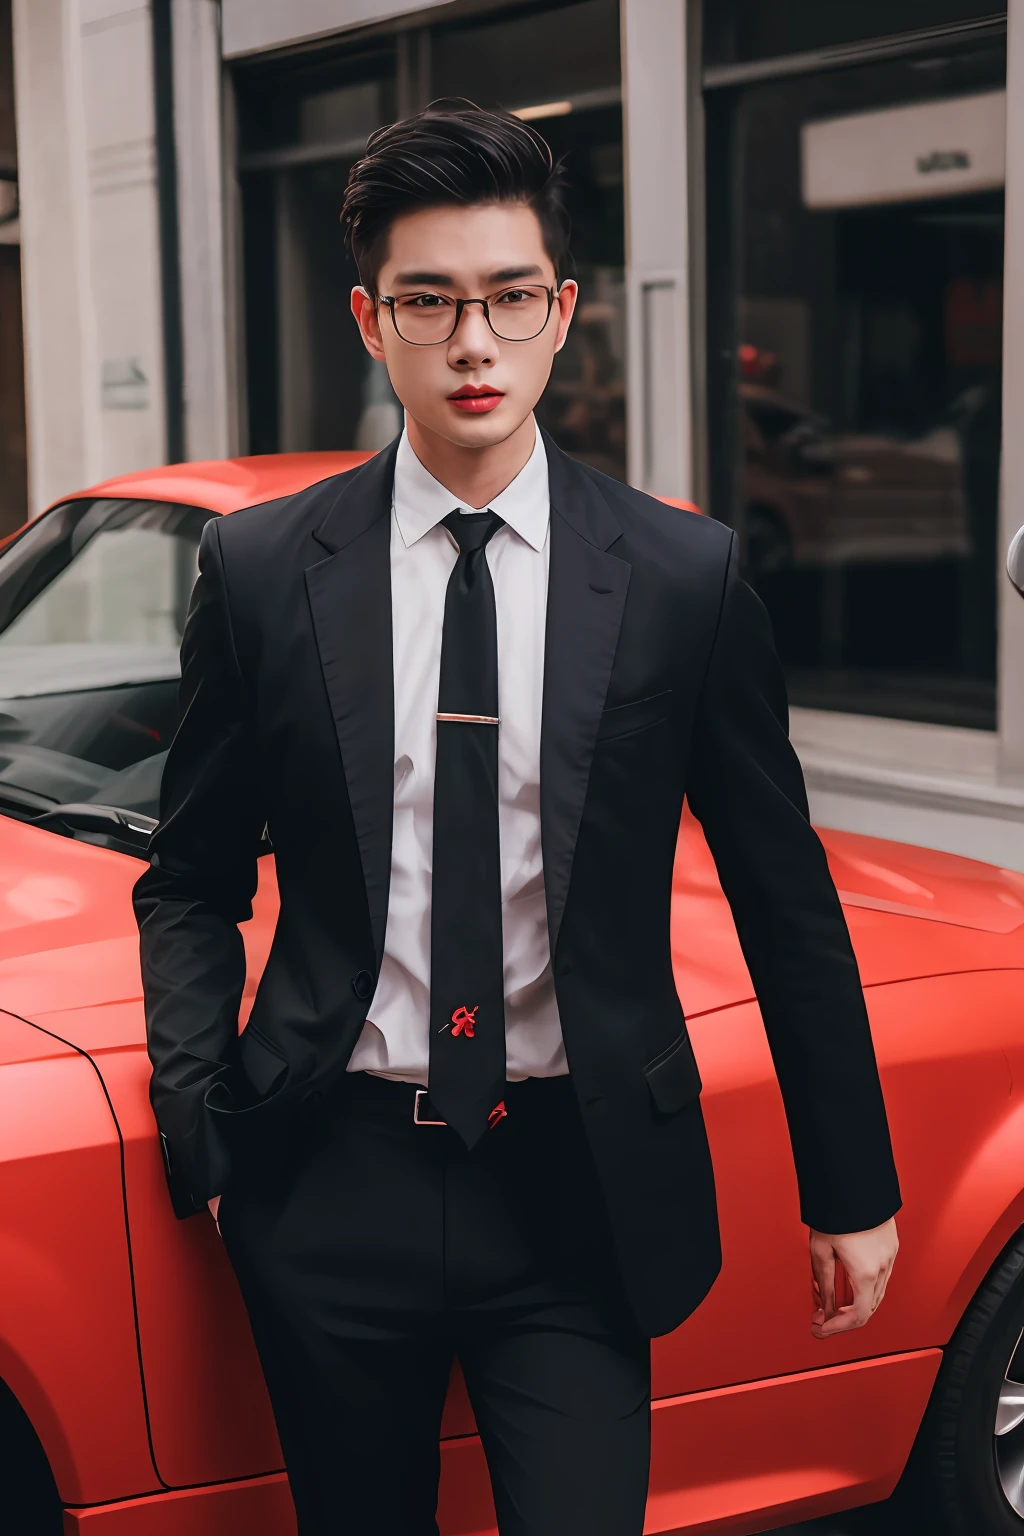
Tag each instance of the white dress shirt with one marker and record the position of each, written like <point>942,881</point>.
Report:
<point>395,1041</point>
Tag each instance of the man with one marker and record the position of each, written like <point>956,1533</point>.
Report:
<point>465,689</point>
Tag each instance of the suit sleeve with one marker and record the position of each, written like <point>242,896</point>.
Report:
<point>198,888</point>
<point>747,790</point>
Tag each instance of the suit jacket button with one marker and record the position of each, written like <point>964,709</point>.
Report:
<point>362,985</point>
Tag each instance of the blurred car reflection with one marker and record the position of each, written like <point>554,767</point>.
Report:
<point>815,496</point>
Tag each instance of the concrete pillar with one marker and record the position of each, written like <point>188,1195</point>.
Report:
<point>654,101</point>
<point>209,426</point>
<point>90,245</point>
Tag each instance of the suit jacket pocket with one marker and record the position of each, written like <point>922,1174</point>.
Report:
<point>637,715</point>
<point>673,1077</point>
<point>263,1074</point>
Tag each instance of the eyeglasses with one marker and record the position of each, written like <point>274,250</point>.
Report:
<point>425,319</point>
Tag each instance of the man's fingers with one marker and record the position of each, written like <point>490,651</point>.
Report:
<point>843,1321</point>
<point>857,1313</point>
<point>823,1268</point>
<point>867,1258</point>
<point>881,1284</point>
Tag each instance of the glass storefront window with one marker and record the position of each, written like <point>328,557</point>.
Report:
<point>303,122</point>
<point>744,30</point>
<point>856,351</point>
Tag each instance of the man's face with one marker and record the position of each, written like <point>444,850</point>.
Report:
<point>474,389</point>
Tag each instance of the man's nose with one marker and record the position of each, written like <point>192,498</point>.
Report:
<point>473,342</point>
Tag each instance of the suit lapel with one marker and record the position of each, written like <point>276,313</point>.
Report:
<point>350,602</point>
<point>586,596</point>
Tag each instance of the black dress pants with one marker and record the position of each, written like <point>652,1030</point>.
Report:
<point>384,1251</point>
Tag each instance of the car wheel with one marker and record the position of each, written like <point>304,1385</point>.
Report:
<point>970,1453</point>
<point>29,1503</point>
<point>767,543</point>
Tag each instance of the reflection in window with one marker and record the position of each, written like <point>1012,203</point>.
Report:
<point>866,348</point>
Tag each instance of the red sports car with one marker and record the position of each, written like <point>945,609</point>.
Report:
<point>131,1401</point>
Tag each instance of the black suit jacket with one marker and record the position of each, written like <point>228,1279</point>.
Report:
<point>660,680</point>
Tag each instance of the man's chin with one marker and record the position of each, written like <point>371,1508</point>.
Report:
<point>483,431</point>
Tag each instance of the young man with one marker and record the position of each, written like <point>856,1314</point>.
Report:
<point>466,687</point>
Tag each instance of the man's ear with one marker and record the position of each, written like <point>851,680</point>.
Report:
<point>364,311</point>
<point>566,302</point>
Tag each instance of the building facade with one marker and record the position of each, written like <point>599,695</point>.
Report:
<point>791,226</point>
<point>13,467</point>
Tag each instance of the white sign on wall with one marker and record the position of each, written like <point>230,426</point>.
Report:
<point>928,149</point>
<point>125,385</point>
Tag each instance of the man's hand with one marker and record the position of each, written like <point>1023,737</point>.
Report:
<point>868,1258</point>
<point>214,1205</point>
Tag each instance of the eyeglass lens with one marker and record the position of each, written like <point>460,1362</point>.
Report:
<point>516,314</point>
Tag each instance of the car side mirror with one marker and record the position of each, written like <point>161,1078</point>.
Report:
<point>809,450</point>
<point>1015,561</point>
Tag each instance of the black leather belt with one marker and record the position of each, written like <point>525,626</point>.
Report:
<point>383,1097</point>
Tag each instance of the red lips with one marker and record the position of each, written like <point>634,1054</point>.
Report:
<point>475,398</point>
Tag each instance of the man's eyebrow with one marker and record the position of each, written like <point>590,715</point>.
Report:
<point>427,279</point>
<point>515,274</point>
<point>445,280</point>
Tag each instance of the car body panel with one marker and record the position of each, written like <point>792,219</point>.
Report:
<point>68,1348</point>
<point>227,485</point>
<point>948,1099</point>
<point>192,1325</point>
<point>259,1507</point>
<point>742,1458</point>
<point>959,916</point>
<point>800,1459</point>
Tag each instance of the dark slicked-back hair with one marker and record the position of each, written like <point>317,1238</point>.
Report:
<point>452,153</point>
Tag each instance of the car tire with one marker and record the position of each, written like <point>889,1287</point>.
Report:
<point>972,1477</point>
<point>29,1503</point>
<point>767,545</point>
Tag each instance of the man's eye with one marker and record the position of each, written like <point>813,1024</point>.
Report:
<point>423,301</point>
<point>513,296</point>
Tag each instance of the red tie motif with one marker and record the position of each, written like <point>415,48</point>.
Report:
<point>464,1019</point>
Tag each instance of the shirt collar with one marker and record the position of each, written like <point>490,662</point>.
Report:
<point>421,502</point>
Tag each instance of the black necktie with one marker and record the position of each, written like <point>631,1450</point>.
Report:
<point>467,993</point>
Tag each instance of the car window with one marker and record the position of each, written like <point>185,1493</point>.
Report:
<point>773,420</point>
<point>93,598</point>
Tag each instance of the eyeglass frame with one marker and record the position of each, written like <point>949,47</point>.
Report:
<point>460,304</point>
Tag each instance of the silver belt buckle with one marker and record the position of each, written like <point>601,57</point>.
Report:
<point>421,1093</point>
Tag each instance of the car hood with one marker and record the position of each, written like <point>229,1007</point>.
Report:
<point>912,912</point>
<point>69,949</point>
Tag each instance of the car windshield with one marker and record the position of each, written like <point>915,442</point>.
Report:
<point>93,598</point>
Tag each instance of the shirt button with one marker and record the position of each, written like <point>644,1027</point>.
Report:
<point>362,985</point>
